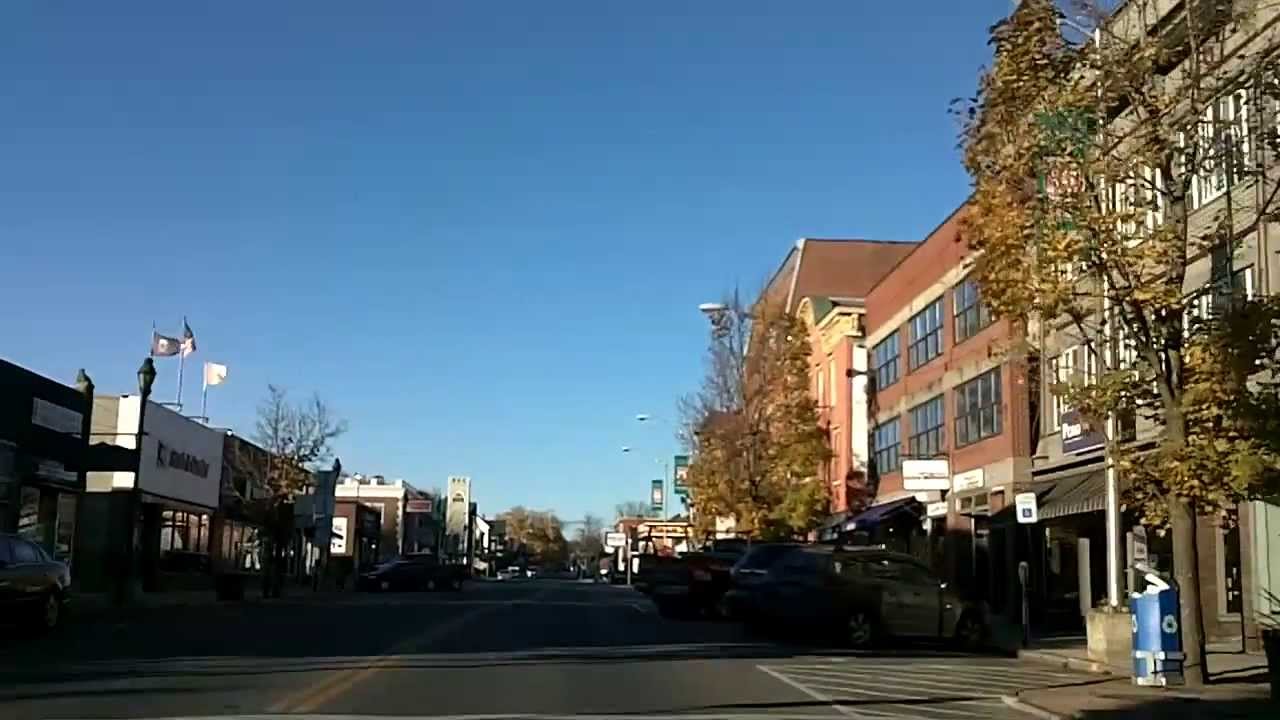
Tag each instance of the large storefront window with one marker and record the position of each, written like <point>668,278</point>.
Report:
<point>241,546</point>
<point>184,532</point>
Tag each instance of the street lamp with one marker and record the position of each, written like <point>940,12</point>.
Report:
<point>146,379</point>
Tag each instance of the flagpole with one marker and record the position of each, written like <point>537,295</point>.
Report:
<point>204,395</point>
<point>182,359</point>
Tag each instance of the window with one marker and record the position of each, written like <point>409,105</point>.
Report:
<point>978,408</point>
<point>971,313</point>
<point>832,383</point>
<point>886,446</point>
<point>802,564</point>
<point>884,357</point>
<point>926,335</point>
<point>926,429</point>
<point>1061,369</point>
<point>184,532</point>
<point>1222,142</point>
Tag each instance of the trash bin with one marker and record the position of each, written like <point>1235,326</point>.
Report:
<point>1157,637</point>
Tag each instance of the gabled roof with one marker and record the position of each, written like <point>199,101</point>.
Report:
<point>833,268</point>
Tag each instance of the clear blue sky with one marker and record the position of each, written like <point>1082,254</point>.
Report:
<point>479,229</point>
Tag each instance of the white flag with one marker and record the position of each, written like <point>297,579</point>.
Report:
<point>214,373</point>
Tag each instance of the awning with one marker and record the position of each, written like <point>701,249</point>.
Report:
<point>1076,495</point>
<point>871,517</point>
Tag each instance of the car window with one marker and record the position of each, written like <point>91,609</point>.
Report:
<point>897,570</point>
<point>5,555</point>
<point>762,557</point>
<point>24,552</point>
<point>802,564</point>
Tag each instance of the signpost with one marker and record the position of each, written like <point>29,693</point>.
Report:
<point>615,539</point>
<point>923,475</point>
<point>1028,509</point>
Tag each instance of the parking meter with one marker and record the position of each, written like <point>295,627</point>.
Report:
<point>1024,577</point>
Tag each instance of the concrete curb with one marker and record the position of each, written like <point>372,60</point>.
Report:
<point>1033,710</point>
<point>1069,663</point>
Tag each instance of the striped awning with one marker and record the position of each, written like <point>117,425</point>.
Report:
<point>1075,495</point>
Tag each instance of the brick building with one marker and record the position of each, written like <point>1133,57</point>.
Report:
<point>944,385</point>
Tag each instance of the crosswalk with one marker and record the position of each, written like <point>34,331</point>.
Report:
<point>921,688</point>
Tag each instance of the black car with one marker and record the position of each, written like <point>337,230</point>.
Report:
<point>33,586</point>
<point>415,571</point>
<point>862,596</point>
<point>747,575</point>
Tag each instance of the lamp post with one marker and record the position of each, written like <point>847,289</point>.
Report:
<point>146,379</point>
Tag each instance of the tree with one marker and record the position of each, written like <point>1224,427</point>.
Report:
<point>1098,172</point>
<point>632,509</point>
<point>753,427</point>
<point>298,441</point>
<point>588,541</point>
<point>536,533</point>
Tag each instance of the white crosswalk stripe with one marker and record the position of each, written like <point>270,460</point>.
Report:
<point>926,688</point>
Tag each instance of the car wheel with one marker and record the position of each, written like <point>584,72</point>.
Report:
<point>971,635</point>
<point>50,612</point>
<point>860,630</point>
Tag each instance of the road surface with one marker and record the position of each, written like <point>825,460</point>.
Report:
<point>539,648</point>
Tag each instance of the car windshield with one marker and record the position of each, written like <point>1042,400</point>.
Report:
<point>471,359</point>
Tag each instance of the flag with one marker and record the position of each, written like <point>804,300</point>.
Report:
<point>163,345</point>
<point>214,373</point>
<point>188,339</point>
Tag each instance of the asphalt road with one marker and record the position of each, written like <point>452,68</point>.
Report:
<point>524,648</point>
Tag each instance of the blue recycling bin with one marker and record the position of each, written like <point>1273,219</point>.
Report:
<point>1157,637</point>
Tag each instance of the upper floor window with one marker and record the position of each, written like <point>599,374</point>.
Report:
<point>927,421</point>
<point>972,314</point>
<point>926,335</point>
<point>1221,147</point>
<point>886,446</point>
<point>884,358</point>
<point>978,408</point>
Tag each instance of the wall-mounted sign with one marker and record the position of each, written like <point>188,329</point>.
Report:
<point>55,417</point>
<point>1078,433</point>
<point>1027,507</point>
<point>656,496</point>
<point>338,539</point>
<point>615,539</point>
<point>926,474</point>
<point>936,509</point>
<point>968,480</point>
<point>418,506</point>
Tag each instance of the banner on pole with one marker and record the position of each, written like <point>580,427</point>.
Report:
<point>656,494</point>
<point>680,475</point>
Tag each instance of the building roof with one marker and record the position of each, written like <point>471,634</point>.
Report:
<point>833,268</point>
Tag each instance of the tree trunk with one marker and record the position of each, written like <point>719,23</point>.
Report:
<point>1186,563</point>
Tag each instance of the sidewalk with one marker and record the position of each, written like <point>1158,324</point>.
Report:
<point>1119,698</point>
<point>95,607</point>
<point>1239,689</point>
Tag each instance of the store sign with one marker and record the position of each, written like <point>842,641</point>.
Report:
<point>924,475</point>
<point>1078,434</point>
<point>56,417</point>
<point>968,480</point>
<point>936,509</point>
<point>184,457</point>
<point>615,539</point>
<point>418,506</point>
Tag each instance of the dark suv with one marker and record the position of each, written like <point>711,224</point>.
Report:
<point>33,586</point>
<point>861,596</point>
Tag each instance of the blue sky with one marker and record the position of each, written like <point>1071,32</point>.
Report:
<point>479,229</point>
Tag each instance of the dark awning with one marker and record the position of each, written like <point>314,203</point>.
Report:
<point>1075,495</point>
<point>871,517</point>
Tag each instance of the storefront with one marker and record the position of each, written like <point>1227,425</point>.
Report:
<point>43,437</point>
<point>353,544</point>
<point>167,505</point>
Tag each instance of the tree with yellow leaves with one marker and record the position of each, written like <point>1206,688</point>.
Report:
<point>753,427</point>
<point>1115,180</point>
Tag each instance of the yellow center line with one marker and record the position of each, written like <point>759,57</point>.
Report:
<point>333,686</point>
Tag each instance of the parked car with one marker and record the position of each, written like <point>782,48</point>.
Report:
<point>694,583</point>
<point>415,571</point>
<point>747,575</point>
<point>509,573</point>
<point>864,596</point>
<point>33,586</point>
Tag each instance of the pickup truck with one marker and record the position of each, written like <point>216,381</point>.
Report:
<point>693,584</point>
<point>414,571</point>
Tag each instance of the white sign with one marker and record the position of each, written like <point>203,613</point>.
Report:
<point>181,459</point>
<point>968,480</point>
<point>338,542</point>
<point>55,417</point>
<point>936,509</point>
<point>1027,506</point>
<point>1140,554</point>
<point>615,539</point>
<point>926,475</point>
